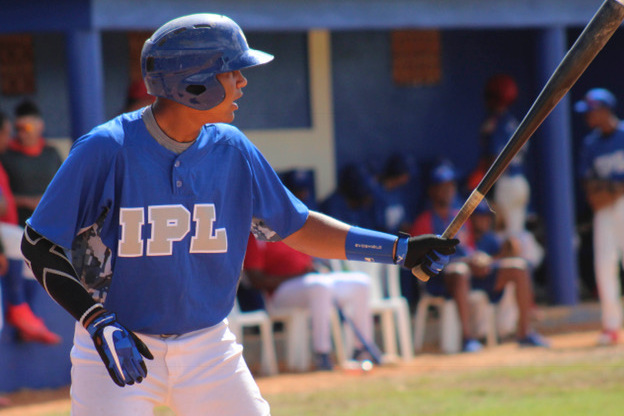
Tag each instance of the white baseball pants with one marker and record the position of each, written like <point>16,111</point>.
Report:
<point>199,373</point>
<point>608,253</point>
<point>12,241</point>
<point>511,196</point>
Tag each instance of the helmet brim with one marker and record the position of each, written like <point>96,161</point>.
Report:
<point>249,59</point>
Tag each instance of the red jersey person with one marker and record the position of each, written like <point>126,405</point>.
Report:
<point>19,313</point>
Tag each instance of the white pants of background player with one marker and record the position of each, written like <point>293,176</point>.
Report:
<point>608,253</point>
<point>199,373</point>
<point>511,196</point>
<point>12,240</point>
<point>317,292</point>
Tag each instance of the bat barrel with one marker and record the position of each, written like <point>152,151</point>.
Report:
<point>593,38</point>
<point>591,41</point>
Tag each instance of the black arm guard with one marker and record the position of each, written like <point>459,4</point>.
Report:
<point>56,274</point>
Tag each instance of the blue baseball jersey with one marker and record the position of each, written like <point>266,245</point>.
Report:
<point>176,224</point>
<point>602,157</point>
<point>489,243</point>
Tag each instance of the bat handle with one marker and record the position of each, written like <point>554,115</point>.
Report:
<point>453,228</point>
<point>420,273</point>
<point>450,231</point>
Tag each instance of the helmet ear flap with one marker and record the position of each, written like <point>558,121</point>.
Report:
<point>204,95</point>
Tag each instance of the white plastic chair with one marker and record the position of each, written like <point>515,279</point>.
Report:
<point>296,324</point>
<point>386,302</point>
<point>450,329</point>
<point>238,320</point>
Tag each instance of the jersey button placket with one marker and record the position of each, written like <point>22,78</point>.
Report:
<point>176,175</point>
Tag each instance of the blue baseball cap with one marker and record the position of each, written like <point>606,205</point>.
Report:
<point>594,99</point>
<point>443,173</point>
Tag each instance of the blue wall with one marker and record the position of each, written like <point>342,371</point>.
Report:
<point>375,118</point>
<point>50,84</point>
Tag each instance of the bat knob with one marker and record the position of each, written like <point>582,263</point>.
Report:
<point>420,274</point>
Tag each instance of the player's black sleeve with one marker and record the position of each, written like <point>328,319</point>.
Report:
<point>56,274</point>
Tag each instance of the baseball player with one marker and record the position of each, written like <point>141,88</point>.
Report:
<point>512,190</point>
<point>602,173</point>
<point>173,191</point>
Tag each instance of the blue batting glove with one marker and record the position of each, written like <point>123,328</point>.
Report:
<point>434,263</point>
<point>120,349</point>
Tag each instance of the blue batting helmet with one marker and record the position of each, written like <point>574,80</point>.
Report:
<point>181,58</point>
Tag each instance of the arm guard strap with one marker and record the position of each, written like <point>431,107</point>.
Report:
<point>56,274</point>
<point>363,244</point>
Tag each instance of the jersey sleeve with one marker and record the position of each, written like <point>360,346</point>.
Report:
<point>79,192</point>
<point>277,212</point>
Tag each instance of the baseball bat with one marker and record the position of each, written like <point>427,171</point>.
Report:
<point>593,38</point>
<point>368,345</point>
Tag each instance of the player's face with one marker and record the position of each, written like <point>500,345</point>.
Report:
<point>443,194</point>
<point>28,130</point>
<point>596,118</point>
<point>233,83</point>
<point>481,223</point>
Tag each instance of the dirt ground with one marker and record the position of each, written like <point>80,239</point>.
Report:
<point>576,343</point>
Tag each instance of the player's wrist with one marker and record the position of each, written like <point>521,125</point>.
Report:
<point>363,244</point>
<point>401,246</point>
<point>91,314</point>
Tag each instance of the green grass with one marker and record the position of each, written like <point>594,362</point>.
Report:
<point>579,389</point>
<point>583,386</point>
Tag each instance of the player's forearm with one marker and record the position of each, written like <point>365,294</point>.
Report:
<point>56,274</point>
<point>321,236</point>
<point>326,237</point>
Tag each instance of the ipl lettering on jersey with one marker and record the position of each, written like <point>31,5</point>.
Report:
<point>170,224</point>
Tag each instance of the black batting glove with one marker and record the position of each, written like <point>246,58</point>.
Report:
<point>421,246</point>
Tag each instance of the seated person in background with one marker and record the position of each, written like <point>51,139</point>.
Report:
<point>29,162</point>
<point>4,401</point>
<point>494,263</point>
<point>301,183</point>
<point>454,281</point>
<point>353,201</point>
<point>19,313</point>
<point>472,267</point>
<point>137,96</point>
<point>289,278</point>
